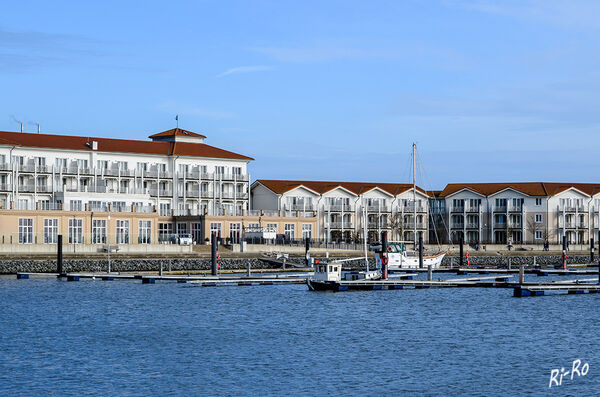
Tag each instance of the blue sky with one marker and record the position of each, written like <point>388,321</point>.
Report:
<point>331,90</point>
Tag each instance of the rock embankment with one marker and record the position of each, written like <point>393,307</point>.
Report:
<point>183,264</point>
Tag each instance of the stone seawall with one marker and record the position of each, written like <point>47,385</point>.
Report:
<point>182,264</point>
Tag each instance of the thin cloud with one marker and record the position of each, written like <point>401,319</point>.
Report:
<point>246,69</point>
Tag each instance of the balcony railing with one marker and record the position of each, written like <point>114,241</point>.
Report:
<point>340,225</point>
<point>457,208</point>
<point>339,207</point>
<point>500,208</point>
<point>378,208</point>
<point>577,208</point>
<point>378,225</point>
<point>298,207</point>
<point>472,225</point>
<point>458,225</point>
<point>473,208</point>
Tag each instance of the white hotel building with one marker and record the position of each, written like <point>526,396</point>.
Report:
<point>339,207</point>
<point>71,184</point>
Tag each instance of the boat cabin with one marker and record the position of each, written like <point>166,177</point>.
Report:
<point>328,272</point>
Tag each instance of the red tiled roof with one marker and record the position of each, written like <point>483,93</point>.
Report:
<point>176,131</point>
<point>282,186</point>
<point>116,145</point>
<point>528,188</point>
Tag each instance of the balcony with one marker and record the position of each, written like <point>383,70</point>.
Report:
<point>500,208</point>
<point>378,225</point>
<point>378,208</point>
<point>339,208</point>
<point>472,225</point>
<point>298,207</point>
<point>412,208</point>
<point>515,208</point>
<point>457,225</point>
<point>475,208</point>
<point>411,225</point>
<point>457,208</point>
<point>340,225</point>
<point>578,208</point>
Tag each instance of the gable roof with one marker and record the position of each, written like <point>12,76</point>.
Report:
<point>68,142</point>
<point>528,188</point>
<point>283,186</point>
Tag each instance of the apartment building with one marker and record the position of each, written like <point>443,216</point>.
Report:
<point>502,213</point>
<point>171,181</point>
<point>344,209</point>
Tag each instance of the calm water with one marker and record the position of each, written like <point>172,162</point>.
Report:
<point>125,338</point>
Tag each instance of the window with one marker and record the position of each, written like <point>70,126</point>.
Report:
<point>40,161</point>
<point>253,227</point>
<point>122,165</point>
<point>235,230</point>
<point>142,167</point>
<point>44,204</point>
<point>271,227</point>
<point>219,170</point>
<point>99,231</point>
<point>538,218</point>
<point>19,160</point>
<point>289,230</point>
<point>161,167</point>
<point>500,202</point>
<point>102,164</point>
<point>81,163</point>
<point>197,231</point>
<point>306,231</point>
<point>164,231</point>
<point>215,228</point>
<point>75,205</point>
<point>538,201</point>
<point>50,231</point>
<point>75,231</point>
<point>203,169</point>
<point>145,232</point>
<point>97,205</point>
<point>2,158</point>
<point>25,230</point>
<point>538,234</point>
<point>165,209</point>
<point>122,231</point>
<point>236,170</point>
<point>183,169</point>
<point>182,229</point>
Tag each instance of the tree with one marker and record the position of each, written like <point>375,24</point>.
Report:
<point>397,225</point>
<point>532,228</point>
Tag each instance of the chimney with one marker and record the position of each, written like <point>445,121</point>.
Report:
<point>94,145</point>
<point>38,128</point>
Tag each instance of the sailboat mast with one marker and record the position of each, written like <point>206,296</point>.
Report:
<point>414,194</point>
<point>364,222</point>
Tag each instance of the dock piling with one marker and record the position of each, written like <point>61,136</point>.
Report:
<point>307,252</point>
<point>59,256</point>
<point>213,257</point>
<point>384,258</point>
<point>420,250</point>
<point>564,253</point>
<point>429,273</point>
<point>509,264</point>
<point>460,263</point>
<point>521,274</point>
<point>161,269</point>
<point>592,256</point>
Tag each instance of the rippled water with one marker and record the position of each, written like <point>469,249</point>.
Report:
<point>122,337</point>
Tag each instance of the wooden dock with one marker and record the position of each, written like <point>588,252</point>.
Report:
<point>498,278</point>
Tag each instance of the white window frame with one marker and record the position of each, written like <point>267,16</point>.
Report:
<point>145,231</point>
<point>306,231</point>
<point>289,230</point>
<point>539,218</point>
<point>75,231</point>
<point>25,230</point>
<point>99,231</point>
<point>50,230</point>
<point>122,231</point>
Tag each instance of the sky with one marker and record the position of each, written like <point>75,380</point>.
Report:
<point>490,91</point>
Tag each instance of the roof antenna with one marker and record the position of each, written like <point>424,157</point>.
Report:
<point>21,128</point>
<point>38,124</point>
<point>177,120</point>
